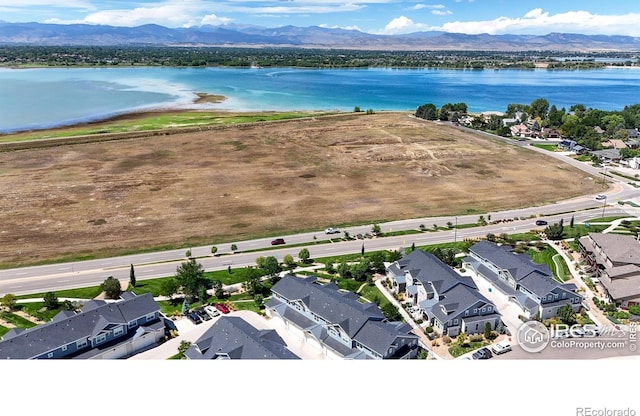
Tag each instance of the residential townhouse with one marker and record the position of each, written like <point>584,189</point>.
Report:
<point>450,302</point>
<point>101,330</point>
<point>233,338</point>
<point>615,260</point>
<point>529,285</point>
<point>337,323</point>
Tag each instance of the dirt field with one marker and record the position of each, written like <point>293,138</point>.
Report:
<point>241,181</point>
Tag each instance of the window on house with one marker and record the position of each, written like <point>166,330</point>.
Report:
<point>50,355</point>
<point>564,295</point>
<point>133,324</point>
<point>475,310</point>
<point>488,308</point>
<point>466,313</point>
<point>455,322</point>
<point>117,331</point>
<point>81,344</point>
<point>64,348</point>
<point>151,317</point>
<point>101,338</point>
<point>483,310</point>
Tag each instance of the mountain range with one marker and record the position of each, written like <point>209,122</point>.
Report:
<point>299,37</point>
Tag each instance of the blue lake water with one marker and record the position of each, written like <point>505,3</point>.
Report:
<point>39,98</point>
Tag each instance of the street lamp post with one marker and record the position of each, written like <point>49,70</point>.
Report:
<point>604,176</point>
<point>455,231</point>
<point>604,204</point>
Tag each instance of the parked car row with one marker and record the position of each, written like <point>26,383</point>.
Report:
<point>199,315</point>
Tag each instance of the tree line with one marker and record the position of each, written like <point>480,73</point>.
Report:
<point>293,57</point>
<point>578,123</point>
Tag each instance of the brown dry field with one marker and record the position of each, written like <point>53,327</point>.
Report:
<point>230,184</point>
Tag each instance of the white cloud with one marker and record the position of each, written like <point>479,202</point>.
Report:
<point>401,25</point>
<point>421,6</point>
<point>536,21</point>
<point>441,12</point>
<point>212,19</point>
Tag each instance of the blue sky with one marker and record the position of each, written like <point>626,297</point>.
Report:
<point>611,17</point>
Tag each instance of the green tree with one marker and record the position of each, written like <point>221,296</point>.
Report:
<point>376,230</point>
<point>566,315</point>
<point>169,287</point>
<point>343,270</point>
<point>427,111</point>
<point>51,300</point>
<point>111,288</point>
<point>393,255</point>
<point>571,222</point>
<point>132,276</point>
<point>271,266</point>
<point>187,253</point>
<point>9,301</point>
<point>190,276</point>
<point>259,300</point>
<point>356,109</point>
<point>234,247</point>
<point>214,249</point>
<point>289,261</point>
<point>304,255</point>
<point>183,347</point>
<point>218,289</point>
<point>487,330</point>
<point>260,262</point>
<point>554,231</point>
<point>391,312</point>
<point>377,262</point>
<point>539,108</point>
<point>360,270</point>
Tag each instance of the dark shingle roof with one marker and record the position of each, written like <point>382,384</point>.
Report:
<point>428,268</point>
<point>67,328</point>
<point>233,337</point>
<point>328,302</point>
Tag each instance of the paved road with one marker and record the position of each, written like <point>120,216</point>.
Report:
<point>160,264</point>
<point>148,266</point>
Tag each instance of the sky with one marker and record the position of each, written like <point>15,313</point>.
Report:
<point>611,17</point>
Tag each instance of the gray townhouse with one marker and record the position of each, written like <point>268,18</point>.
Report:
<point>233,338</point>
<point>615,260</point>
<point>529,285</point>
<point>336,323</point>
<point>101,330</point>
<point>451,303</point>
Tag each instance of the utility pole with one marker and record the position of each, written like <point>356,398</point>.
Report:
<point>455,231</point>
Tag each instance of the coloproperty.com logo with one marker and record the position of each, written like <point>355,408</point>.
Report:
<point>534,337</point>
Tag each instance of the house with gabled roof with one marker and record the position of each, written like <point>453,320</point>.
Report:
<point>529,285</point>
<point>100,330</point>
<point>337,323</point>
<point>615,260</point>
<point>233,338</point>
<point>450,302</point>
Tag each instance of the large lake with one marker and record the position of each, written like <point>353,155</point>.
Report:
<point>39,98</point>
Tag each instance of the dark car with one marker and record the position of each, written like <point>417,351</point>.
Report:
<point>221,308</point>
<point>202,314</point>
<point>277,241</point>
<point>482,354</point>
<point>193,317</point>
<point>541,222</point>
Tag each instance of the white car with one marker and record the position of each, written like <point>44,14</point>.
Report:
<point>501,347</point>
<point>600,197</point>
<point>331,231</point>
<point>212,311</point>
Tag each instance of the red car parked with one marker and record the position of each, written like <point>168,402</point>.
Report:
<point>221,308</point>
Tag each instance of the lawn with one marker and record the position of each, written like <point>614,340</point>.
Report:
<point>78,293</point>
<point>3,330</point>
<point>546,256</point>
<point>549,147</point>
<point>18,321</point>
<point>458,350</point>
<point>606,219</point>
<point>580,230</point>
<point>38,310</point>
<point>371,293</point>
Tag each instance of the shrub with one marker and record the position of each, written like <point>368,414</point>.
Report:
<point>476,338</point>
<point>428,330</point>
<point>634,309</point>
<point>446,339</point>
<point>435,343</point>
<point>493,335</point>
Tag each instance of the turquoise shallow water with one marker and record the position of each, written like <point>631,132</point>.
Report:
<point>39,98</point>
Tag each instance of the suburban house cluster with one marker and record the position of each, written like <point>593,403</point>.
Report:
<point>233,338</point>
<point>531,286</point>
<point>101,330</point>
<point>451,303</point>
<point>337,323</point>
<point>615,260</point>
